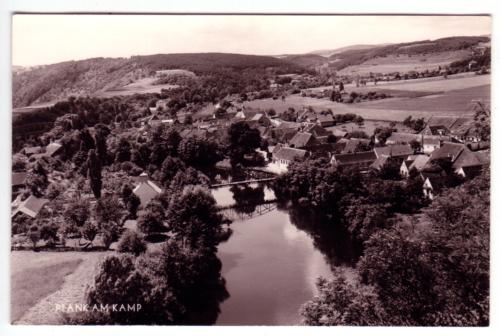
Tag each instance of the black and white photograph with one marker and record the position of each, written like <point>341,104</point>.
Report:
<point>250,170</point>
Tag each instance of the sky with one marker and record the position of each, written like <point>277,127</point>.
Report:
<point>46,39</point>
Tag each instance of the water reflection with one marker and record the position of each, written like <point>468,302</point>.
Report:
<point>328,236</point>
<point>247,198</point>
<point>272,260</point>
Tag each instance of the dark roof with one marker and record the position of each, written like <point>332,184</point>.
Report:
<point>353,158</point>
<point>448,150</point>
<point>472,171</point>
<point>462,126</point>
<point>465,159</point>
<point>302,139</point>
<point>394,150</point>
<point>352,144</point>
<point>400,137</point>
<point>288,153</point>
<point>442,121</point>
<point>18,179</point>
<point>316,130</point>
<point>379,162</point>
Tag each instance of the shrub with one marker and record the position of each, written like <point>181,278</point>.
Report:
<point>131,242</point>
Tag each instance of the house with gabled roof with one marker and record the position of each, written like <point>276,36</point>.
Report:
<point>303,140</point>
<point>464,161</point>
<point>319,132</point>
<point>395,151</point>
<point>360,160</point>
<point>31,206</point>
<point>416,162</point>
<point>325,120</point>
<point>283,156</point>
<point>146,189</point>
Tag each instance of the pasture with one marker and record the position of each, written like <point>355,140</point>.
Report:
<point>40,280</point>
<point>143,85</point>
<point>419,98</point>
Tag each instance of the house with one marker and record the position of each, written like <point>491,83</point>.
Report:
<point>303,140</point>
<point>460,128</point>
<point>319,132</point>
<point>18,180</point>
<point>259,119</point>
<point>325,120</point>
<point>469,171</point>
<point>428,143</point>
<point>283,156</point>
<point>395,151</point>
<point>459,155</point>
<point>339,133</point>
<point>352,144</point>
<point>146,190</point>
<point>379,163</point>
<point>52,149</point>
<point>358,160</point>
<point>28,151</point>
<point>433,185</point>
<point>30,206</point>
<point>416,162</point>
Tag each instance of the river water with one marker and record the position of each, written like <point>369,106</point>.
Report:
<point>269,264</point>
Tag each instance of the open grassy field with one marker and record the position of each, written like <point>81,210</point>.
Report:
<point>143,85</point>
<point>40,280</point>
<point>422,98</point>
<point>452,102</point>
<point>404,62</point>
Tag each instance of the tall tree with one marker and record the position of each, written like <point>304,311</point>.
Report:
<point>94,173</point>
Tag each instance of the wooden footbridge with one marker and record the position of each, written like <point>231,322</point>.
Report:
<point>225,184</point>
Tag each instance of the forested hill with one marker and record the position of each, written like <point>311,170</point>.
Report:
<point>86,77</point>
<point>355,55</point>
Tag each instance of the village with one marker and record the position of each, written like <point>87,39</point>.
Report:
<point>330,187</point>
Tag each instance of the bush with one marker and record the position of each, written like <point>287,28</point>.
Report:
<point>131,242</point>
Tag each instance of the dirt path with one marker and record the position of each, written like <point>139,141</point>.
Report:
<point>71,292</point>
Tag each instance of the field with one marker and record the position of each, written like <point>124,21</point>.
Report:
<point>419,98</point>
<point>405,63</point>
<point>40,280</point>
<point>143,85</point>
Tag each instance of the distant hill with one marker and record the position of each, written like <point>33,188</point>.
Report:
<point>330,52</point>
<point>306,60</point>
<point>384,58</point>
<point>86,77</point>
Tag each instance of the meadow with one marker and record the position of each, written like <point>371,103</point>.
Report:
<point>419,98</point>
<point>40,280</point>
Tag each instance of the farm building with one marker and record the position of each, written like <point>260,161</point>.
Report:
<point>303,140</point>
<point>359,160</point>
<point>459,155</point>
<point>283,156</point>
<point>395,151</point>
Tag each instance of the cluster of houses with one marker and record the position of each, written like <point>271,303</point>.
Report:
<point>444,138</point>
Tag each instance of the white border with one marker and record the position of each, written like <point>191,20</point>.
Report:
<point>7,7</point>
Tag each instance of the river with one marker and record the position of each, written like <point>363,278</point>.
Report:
<point>269,264</point>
